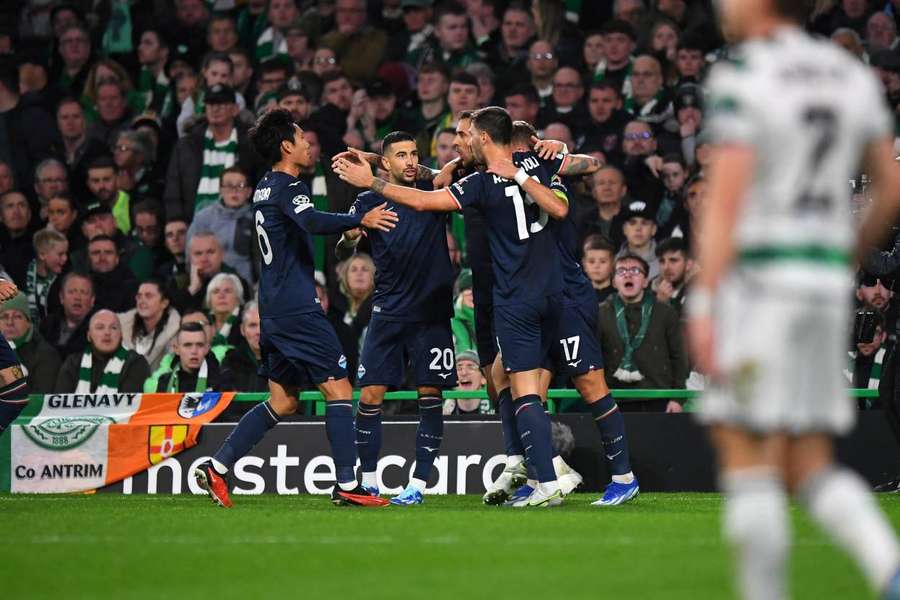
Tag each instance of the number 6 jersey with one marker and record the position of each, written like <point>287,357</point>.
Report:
<point>808,109</point>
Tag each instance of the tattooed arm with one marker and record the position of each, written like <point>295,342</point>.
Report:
<point>580,164</point>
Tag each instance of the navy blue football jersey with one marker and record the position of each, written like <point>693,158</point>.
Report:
<point>578,287</point>
<point>285,222</point>
<point>524,254</point>
<point>413,275</point>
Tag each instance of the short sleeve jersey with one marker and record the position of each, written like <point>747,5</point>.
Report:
<point>286,283</point>
<point>413,275</point>
<point>524,254</point>
<point>577,286</point>
<point>808,109</point>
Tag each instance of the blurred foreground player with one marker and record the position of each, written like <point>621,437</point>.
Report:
<point>298,345</point>
<point>792,117</point>
<point>13,385</point>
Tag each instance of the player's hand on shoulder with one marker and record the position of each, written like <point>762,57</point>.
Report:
<point>445,176</point>
<point>502,167</point>
<point>8,290</point>
<point>547,149</point>
<point>380,218</point>
<point>353,154</point>
<point>353,172</point>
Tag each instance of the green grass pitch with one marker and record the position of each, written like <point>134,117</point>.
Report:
<point>660,546</point>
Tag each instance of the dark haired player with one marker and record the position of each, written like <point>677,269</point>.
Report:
<point>13,385</point>
<point>525,260</point>
<point>298,344</point>
<point>412,307</point>
<point>577,353</point>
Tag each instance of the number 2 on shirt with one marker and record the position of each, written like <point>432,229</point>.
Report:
<point>525,231</point>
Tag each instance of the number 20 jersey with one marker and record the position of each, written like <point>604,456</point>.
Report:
<point>808,109</point>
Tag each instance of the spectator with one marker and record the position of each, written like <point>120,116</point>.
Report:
<point>875,293</point>
<point>449,44</point>
<point>461,97</point>
<point>567,106</point>
<point>300,48</point>
<point>148,232</point>
<point>194,368</point>
<point>221,33</point>
<point>415,33</point>
<point>113,111</point>
<point>103,184</point>
<point>231,219</point>
<point>114,284</point>
<point>188,30</point>
<point>663,40</point>
<point>150,327</point>
<point>470,379</point>
<point>639,227</point>
<point>542,64</point>
<point>597,262</point>
<point>206,259</point>
<point>851,41</point>
<point>642,163</point>
<point>239,369</point>
<point>676,267</point>
<point>379,116</point>
<point>15,237</point>
<point>881,33</point>
<point>463,321</point>
<point>174,269</point>
<point>62,215</point>
<point>26,131</point>
<point>630,11</point>
<point>272,43</point>
<point>192,180</point>
<point>39,359</point>
<point>98,220</point>
<point>296,100</point>
<point>608,190</point>
<point>431,93</point>
<point>850,14</point>
<point>224,297</point>
<point>325,62</point>
<point>77,149</point>
<point>868,357</point>
<point>136,174</point>
<point>217,70</point>
<point>357,285</point>
<point>671,213</point>
<point>153,84</point>
<point>75,51</point>
<point>50,179</point>
<point>592,51</point>
<point>7,178</point>
<point>51,249</point>
<point>359,47</point>
<point>509,54</point>
<point>444,151</point>
<point>607,122</point>
<point>689,59</point>
<point>241,72</point>
<point>523,104</point>
<point>618,44</point>
<point>695,196</point>
<point>641,337</point>
<point>105,366</point>
<point>66,330</point>
<point>483,21</point>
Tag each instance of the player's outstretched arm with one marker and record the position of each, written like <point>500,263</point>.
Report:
<point>360,175</point>
<point>573,164</point>
<point>324,223</point>
<point>557,206</point>
<point>423,173</point>
<point>885,209</point>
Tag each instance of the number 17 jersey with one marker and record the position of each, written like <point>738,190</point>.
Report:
<point>808,110</point>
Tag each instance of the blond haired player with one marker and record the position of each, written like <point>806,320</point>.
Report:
<point>793,117</point>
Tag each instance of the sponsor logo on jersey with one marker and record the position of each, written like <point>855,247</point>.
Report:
<point>342,362</point>
<point>65,433</point>
<point>261,194</point>
<point>360,371</point>
<point>194,405</point>
<point>301,202</point>
<point>165,441</point>
<point>443,376</point>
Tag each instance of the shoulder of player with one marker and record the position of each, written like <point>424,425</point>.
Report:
<point>369,198</point>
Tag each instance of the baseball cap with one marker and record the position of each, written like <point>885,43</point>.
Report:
<point>638,208</point>
<point>379,89</point>
<point>291,89</point>
<point>96,208</point>
<point>689,95</point>
<point>220,94</point>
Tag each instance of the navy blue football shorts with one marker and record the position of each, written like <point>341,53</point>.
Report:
<point>485,339</point>
<point>8,358</point>
<point>526,331</point>
<point>391,345</point>
<point>300,350</point>
<point>577,349</point>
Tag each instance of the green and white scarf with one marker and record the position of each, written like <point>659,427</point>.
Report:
<point>155,91</point>
<point>117,37</point>
<point>265,45</point>
<point>109,380</point>
<point>627,93</point>
<point>201,377</point>
<point>37,289</point>
<point>18,343</point>
<point>320,203</point>
<point>874,374</point>
<point>221,336</point>
<point>216,158</point>
<point>627,371</point>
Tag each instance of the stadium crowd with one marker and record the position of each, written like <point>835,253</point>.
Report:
<point>126,175</point>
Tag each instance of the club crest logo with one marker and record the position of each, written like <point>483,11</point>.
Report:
<point>342,362</point>
<point>65,433</point>
<point>194,405</point>
<point>360,371</point>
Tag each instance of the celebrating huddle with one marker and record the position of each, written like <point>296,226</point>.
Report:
<point>535,309</point>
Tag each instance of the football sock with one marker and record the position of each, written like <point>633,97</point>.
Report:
<point>369,479</point>
<point>339,428</point>
<point>419,484</point>
<point>508,423</point>
<point>368,437</point>
<point>428,435</point>
<point>839,501</point>
<point>756,524</point>
<point>534,431</point>
<point>249,430</point>
<point>611,424</point>
<point>13,398</point>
